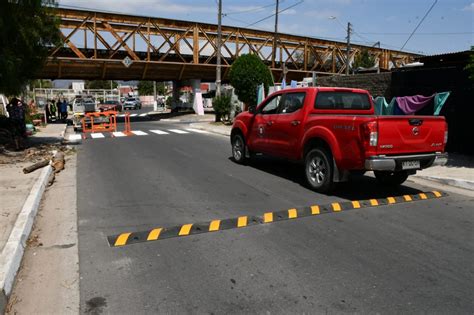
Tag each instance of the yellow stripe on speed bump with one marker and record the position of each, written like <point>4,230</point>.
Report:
<point>154,234</point>
<point>315,210</point>
<point>214,226</point>
<point>122,239</point>
<point>185,229</point>
<point>292,214</point>
<point>242,221</point>
<point>268,217</point>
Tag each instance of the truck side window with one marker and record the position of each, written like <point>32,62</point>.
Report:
<point>271,107</point>
<point>342,100</point>
<point>292,102</point>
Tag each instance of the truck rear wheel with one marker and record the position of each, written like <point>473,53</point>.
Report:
<point>391,178</point>
<point>319,170</point>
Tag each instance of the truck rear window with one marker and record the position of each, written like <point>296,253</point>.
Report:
<point>342,100</point>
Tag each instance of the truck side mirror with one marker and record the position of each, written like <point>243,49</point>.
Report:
<point>252,109</point>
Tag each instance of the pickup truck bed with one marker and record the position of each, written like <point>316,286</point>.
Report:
<point>334,131</point>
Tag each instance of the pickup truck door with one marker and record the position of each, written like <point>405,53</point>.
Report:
<point>288,125</point>
<point>262,128</point>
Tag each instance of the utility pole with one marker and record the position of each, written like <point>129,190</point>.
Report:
<point>219,39</point>
<point>275,35</point>
<point>348,50</point>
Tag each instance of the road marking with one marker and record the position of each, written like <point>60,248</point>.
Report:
<point>315,210</point>
<point>133,115</point>
<point>97,135</point>
<point>74,137</point>
<point>214,226</point>
<point>143,115</point>
<point>292,214</point>
<point>178,131</point>
<point>196,130</point>
<point>185,229</point>
<point>267,217</point>
<point>336,207</point>
<point>139,133</point>
<point>122,239</point>
<point>356,204</point>
<point>160,132</point>
<point>121,115</point>
<point>242,221</point>
<point>119,134</point>
<point>154,234</point>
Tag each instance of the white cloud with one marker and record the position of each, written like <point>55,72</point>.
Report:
<point>469,7</point>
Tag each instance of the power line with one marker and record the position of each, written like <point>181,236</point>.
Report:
<point>249,10</point>
<point>267,17</point>
<point>418,34</point>
<point>424,17</point>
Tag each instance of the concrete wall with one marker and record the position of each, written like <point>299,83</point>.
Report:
<point>378,84</point>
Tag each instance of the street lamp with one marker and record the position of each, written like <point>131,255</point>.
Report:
<point>348,48</point>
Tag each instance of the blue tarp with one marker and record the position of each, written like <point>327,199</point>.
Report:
<point>383,108</point>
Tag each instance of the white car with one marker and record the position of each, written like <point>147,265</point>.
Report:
<point>132,103</point>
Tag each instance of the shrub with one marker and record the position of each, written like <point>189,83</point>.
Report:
<point>222,106</point>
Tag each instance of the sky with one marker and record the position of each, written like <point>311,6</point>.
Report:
<point>449,27</point>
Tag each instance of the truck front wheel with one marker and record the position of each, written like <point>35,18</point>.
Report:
<point>319,170</point>
<point>391,178</point>
<point>238,148</point>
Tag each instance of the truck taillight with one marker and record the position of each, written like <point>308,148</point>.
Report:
<point>371,133</point>
<point>446,135</point>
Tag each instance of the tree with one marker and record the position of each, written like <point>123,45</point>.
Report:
<point>246,73</point>
<point>222,106</point>
<point>43,84</point>
<point>145,88</point>
<point>364,60</point>
<point>470,66</point>
<point>28,29</point>
<point>100,85</point>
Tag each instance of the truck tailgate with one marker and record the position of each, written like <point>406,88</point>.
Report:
<point>410,134</point>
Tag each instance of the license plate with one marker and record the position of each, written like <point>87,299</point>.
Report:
<point>408,165</point>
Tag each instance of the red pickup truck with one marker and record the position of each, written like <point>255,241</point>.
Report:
<point>334,132</point>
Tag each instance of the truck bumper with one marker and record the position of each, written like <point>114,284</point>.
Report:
<point>395,163</point>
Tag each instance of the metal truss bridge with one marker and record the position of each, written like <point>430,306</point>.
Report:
<point>108,46</point>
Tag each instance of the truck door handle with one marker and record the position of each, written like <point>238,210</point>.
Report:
<point>295,122</point>
<point>269,123</point>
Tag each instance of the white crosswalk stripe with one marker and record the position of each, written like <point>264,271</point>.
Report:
<point>97,135</point>
<point>119,134</point>
<point>133,115</point>
<point>143,115</point>
<point>121,115</point>
<point>196,130</point>
<point>75,137</point>
<point>139,133</point>
<point>178,131</point>
<point>160,132</point>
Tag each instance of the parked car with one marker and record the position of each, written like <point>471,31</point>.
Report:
<point>132,103</point>
<point>110,105</point>
<point>333,131</point>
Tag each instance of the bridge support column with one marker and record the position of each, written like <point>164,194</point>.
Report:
<point>175,100</point>
<point>197,96</point>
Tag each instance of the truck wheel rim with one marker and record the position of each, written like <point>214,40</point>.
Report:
<point>237,152</point>
<point>317,170</point>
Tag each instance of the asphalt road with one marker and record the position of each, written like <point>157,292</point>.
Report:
<point>404,258</point>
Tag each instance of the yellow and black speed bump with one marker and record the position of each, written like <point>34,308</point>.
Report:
<point>268,217</point>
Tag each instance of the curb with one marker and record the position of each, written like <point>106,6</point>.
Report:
<point>12,253</point>
<point>456,182</point>
<point>213,130</point>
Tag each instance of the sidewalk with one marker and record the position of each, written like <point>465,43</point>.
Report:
<point>459,172</point>
<point>21,194</point>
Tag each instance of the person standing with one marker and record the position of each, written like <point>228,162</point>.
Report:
<point>53,109</point>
